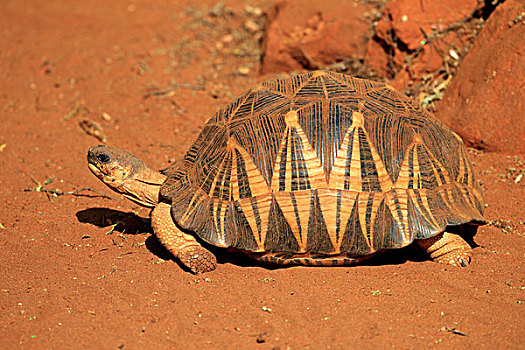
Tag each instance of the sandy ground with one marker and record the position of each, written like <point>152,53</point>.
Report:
<point>85,271</point>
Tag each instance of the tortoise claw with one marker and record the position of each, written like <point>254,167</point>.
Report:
<point>461,260</point>
<point>198,259</point>
<point>448,248</point>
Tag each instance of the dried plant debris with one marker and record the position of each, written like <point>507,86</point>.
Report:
<point>507,227</point>
<point>429,67</point>
<point>170,91</point>
<point>452,330</point>
<point>520,19</point>
<point>356,68</point>
<point>451,44</point>
<point>55,192</point>
<point>93,128</point>
<point>236,36</point>
<point>77,110</point>
<point>516,171</point>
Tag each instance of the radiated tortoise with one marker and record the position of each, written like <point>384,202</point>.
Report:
<point>315,169</point>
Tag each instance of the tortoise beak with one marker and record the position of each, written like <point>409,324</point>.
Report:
<point>93,163</point>
<point>92,154</point>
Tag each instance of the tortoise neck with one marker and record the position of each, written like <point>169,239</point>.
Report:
<point>144,187</point>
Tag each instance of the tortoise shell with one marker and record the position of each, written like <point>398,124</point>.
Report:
<point>325,164</point>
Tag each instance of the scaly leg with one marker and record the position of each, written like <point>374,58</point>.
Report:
<point>447,248</point>
<point>182,245</point>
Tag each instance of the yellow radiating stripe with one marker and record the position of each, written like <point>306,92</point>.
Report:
<point>451,201</point>
<point>328,203</point>
<point>376,201</point>
<point>467,192</point>
<point>355,181</point>
<point>194,202</point>
<point>321,74</point>
<point>423,195</point>
<point>452,204</point>
<point>288,171</point>
<point>403,178</point>
<point>395,209</point>
<point>298,215</point>
<point>214,181</point>
<point>434,169</point>
<point>277,165</point>
<point>362,205</point>
<point>384,179</point>
<point>424,199</point>
<point>256,181</point>
<point>331,213</point>
<point>234,179</point>
<point>316,174</point>
<point>417,179</point>
<point>224,177</point>
<point>337,175</point>
<point>478,195</point>
<point>219,213</point>
<point>463,190</point>
<point>263,204</point>
<point>462,169</point>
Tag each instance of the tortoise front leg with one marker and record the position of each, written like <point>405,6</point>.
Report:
<point>447,248</point>
<point>182,245</point>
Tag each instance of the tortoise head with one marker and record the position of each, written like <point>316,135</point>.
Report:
<point>125,173</point>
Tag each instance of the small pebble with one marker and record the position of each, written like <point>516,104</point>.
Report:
<point>243,70</point>
<point>251,26</point>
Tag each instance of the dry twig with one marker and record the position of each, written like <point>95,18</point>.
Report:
<point>171,89</point>
<point>56,192</point>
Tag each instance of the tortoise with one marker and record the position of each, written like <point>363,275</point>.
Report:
<point>318,168</point>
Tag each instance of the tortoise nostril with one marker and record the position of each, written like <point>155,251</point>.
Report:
<point>103,157</point>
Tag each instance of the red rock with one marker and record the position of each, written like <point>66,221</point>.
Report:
<point>400,81</point>
<point>428,61</point>
<point>485,101</point>
<point>377,58</point>
<point>401,33</point>
<point>303,34</point>
<point>409,18</point>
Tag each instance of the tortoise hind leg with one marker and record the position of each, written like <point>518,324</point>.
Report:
<point>285,258</point>
<point>447,248</point>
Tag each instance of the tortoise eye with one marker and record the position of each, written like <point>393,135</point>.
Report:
<point>103,157</point>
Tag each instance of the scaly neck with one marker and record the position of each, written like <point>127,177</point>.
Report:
<point>144,189</point>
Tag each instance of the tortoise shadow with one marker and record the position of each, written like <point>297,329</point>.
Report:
<point>223,256</point>
<point>130,223</point>
<point>396,256</point>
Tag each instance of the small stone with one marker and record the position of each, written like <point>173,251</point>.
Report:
<point>261,338</point>
<point>254,11</point>
<point>106,116</point>
<point>228,38</point>
<point>243,70</point>
<point>251,26</point>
